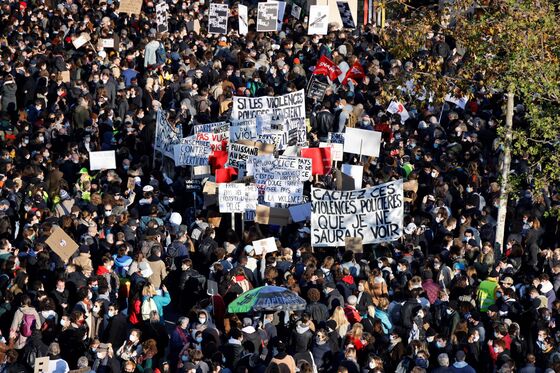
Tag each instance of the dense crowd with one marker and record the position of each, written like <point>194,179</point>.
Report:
<point>149,286</point>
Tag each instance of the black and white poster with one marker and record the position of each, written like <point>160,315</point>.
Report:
<point>267,17</point>
<point>316,89</point>
<point>217,19</point>
<point>345,14</point>
<point>296,11</point>
<point>373,214</point>
<point>318,20</point>
<point>162,14</point>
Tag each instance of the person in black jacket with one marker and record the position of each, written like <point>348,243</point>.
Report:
<point>115,331</point>
<point>323,123</point>
<point>233,349</point>
<point>318,311</point>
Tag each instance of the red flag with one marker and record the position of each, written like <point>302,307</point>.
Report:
<point>327,67</point>
<point>355,72</point>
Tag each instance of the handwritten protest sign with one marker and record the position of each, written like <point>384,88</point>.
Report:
<point>192,153</point>
<point>231,198</point>
<point>238,154</point>
<point>372,214</point>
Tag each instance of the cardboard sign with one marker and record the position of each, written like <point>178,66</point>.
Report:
<point>318,20</point>
<point>62,244</point>
<point>232,198</point>
<point>65,76</point>
<point>243,14</point>
<point>265,246</point>
<point>272,216</point>
<point>320,158</point>
<point>41,365</point>
<point>363,142</point>
<point>162,15</point>
<point>218,18</point>
<point>210,193</point>
<point>373,214</point>
<point>345,14</point>
<point>316,89</point>
<point>267,16</point>
<point>81,40</point>
<point>356,171</point>
<point>130,6</point>
<point>103,160</point>
<point>192,153</point>
<point>296,11</point>
<point>300,212</point>
<point>108,43</point>
<point>200,172</point>
<point>354,244</point>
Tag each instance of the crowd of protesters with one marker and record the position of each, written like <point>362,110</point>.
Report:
<point>134,296</point>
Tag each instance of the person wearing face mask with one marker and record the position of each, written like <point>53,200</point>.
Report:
<point>115,326</point>
<point>131,348</point>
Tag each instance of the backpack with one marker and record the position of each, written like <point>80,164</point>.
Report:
<point>148,305</point>
<point>27,325</point>
<point>161,55</point>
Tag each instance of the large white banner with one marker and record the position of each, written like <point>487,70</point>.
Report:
<point>166,135</point>
<point>280,108</point>
<point>372,214</point>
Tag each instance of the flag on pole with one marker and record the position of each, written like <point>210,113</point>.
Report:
<point>355,72</point>
<point>327,67</point>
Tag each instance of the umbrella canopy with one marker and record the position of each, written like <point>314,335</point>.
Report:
<point>267,298</point>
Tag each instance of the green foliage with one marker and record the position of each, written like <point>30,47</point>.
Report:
<point>510,45</point>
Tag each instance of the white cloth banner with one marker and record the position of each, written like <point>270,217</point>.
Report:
<point>280,108</point>
<point>373,214</point>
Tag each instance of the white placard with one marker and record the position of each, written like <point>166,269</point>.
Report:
<point>364,142</point>
<point>337,150</point>
<point>192,153</point>
<point>318,20</point>
<point>231,198</point>
<point>81,40</point>
<point>108,43</point>
<point>265,246</point>
<point>267,16</point>
<point>356,171</point>
<point>103,160</point>
<point>373,214</point>
<point>243,19</point>
<point>238,154</point>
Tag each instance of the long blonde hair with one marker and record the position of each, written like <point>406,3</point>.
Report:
<point>339,316</point>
